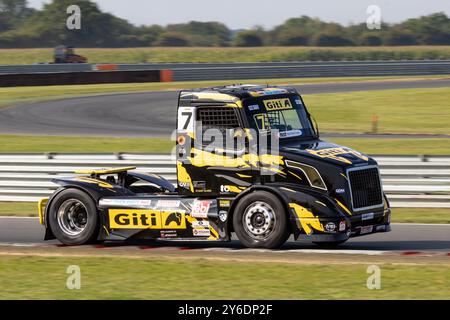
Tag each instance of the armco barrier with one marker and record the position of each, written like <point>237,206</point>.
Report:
<point>88,77</point>
<point>409,181</point>
<point>257,70</point>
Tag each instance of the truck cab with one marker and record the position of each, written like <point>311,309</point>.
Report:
<point>249,161</point>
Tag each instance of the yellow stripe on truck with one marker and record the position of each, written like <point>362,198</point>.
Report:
<point>41,209</point>
<point>307,219</point>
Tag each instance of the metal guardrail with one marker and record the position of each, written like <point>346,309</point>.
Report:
<point>409,181</point>
<point>258,70</point>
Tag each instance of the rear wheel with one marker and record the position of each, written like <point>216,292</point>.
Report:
<point>260,221</point>
<point>73,217</point>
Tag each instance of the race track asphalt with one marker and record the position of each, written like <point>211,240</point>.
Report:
<point>403,237</point>
<point>147,114</point>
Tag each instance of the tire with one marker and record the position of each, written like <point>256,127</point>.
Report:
<point>329,244</point>
<point>73,218</point>
<point>260,221</point>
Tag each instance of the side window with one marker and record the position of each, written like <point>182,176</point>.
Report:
<point>219,127</point>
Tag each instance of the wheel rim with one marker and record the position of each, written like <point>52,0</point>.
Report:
<point>72,217</point>
<point>259,220</point>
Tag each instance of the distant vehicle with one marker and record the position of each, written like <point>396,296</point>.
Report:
<point>317,191</point>
<point>66,54</point>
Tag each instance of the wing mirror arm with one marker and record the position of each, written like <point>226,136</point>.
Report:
<point>316,127</point>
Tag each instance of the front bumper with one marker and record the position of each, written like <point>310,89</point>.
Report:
<point>343,236</point>
<point>356,227</point>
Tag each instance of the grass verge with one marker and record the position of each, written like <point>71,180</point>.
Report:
<point>45,278</point>
<point>19,143</point>
<point>396,146</point>
<point>24,143</point>
<point>15,95</point>
<point>398,111</point>
<point>399,215</point>
<point>259,54</point>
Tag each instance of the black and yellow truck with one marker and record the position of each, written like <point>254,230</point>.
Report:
<point>262,189</point>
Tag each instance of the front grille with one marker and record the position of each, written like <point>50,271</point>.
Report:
<point>365,187</point>
<point>218,118</point>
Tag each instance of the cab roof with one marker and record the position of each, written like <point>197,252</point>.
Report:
<point>231,93</point>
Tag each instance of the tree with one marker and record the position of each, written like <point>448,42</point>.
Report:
<point>173,39</point>
<point>333,35</point>
<point>433,29</point>
<point>13,13</point>
<point>203,33</point>
<point>249,38</point>
<point>400,36</point>
<point>292,37</point>
<point>370,39</point>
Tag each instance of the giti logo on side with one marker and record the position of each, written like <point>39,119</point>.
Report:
<point>146,219</point>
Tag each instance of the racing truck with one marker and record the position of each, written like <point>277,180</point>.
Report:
<point>264,192</point>
<point>66,54</point>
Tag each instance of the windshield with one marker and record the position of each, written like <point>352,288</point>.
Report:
<point>287,115</point>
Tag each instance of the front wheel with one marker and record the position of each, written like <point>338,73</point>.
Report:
<point>260,221</point>
<point>73,217</point>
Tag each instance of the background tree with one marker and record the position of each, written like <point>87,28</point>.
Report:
<point>21,26</point>
<point>172,39</point>
<point>248,38</point>
<point>13,13</point>
<point>204,34</point>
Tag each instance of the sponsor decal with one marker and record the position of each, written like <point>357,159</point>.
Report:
<point>298,102</point>
<point>201,232</point>
<point>168,234</point>
<point>330,226</point>
<point>200,208</point>
<point>253,107</point>
<point>200,186</point>
<point>367,216</point>
<point>168,203</point>
<point>366,229</point>
<point>342,226</point>
<point>185,185</point>
<point>339,191</point>
<point>290,133</point>
<point>337,153</point>
<point>225,203</point>
<point>223,215</point>
<point>200,224</point>
<point>277,104</point>
<point>146,219</point>
<point>125,202</point>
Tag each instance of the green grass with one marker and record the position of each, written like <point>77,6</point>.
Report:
<point>399,215</point>
<point>420,215</point>
<point>398,111</point>
<point>18,143</point>
<point>24,143</point>
<point>16,95</point>
<point>195,54</point>
<point>118,278</point>
<point>434,146</point>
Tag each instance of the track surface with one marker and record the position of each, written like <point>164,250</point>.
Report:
<point>139,114</point>
<point>403,237</point>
